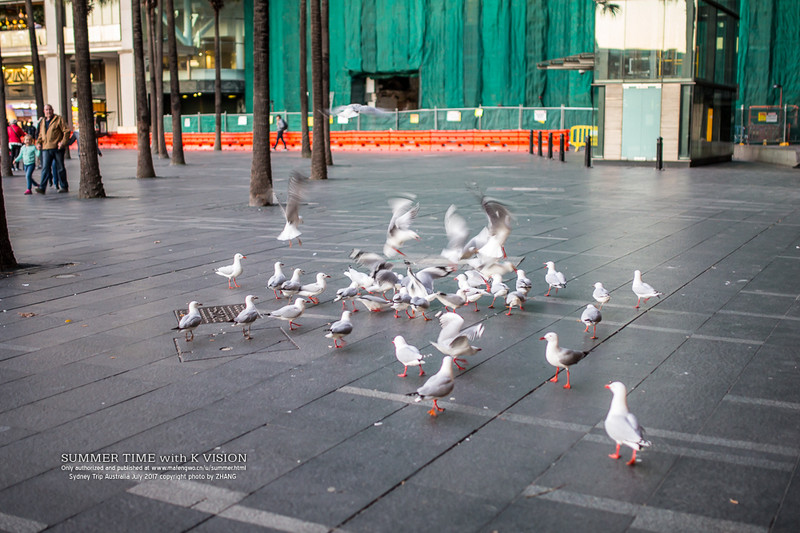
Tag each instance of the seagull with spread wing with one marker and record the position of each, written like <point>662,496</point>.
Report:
<point>292,209</point>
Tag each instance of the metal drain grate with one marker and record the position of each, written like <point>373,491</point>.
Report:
<point>214,314</point>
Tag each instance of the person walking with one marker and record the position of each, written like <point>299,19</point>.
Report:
<point>281,127</point>
<point>27,156</point>
<point>52,138</point>
<point>15,136</point>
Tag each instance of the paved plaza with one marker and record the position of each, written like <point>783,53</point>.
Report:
<point>110,421</point>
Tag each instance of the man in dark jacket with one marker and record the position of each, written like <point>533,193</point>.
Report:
<point>281,127</point>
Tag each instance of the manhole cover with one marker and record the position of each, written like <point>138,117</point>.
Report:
<point>214,314</point>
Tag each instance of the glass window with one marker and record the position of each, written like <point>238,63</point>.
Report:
<point>599,119</point>
<point>685,122</point>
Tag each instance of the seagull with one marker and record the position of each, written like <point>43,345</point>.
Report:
<point>290,312</point>
<point>421,298</point>
<point>232,271</point>
<point>554,278</point>
<point>312,290</point>
<point>384,279</point>
<point>353,110</point>
<point>292,209</point>
<point>498,289</point>
<point>499,228</point>
<point>514,299</point>
<point>293,285</point>
<point>190,321</point>
<point>248,315</point>
<point>642,289</point>
<point>591,317</point>
<point>523,283</point>
<point>428,275</point>
<point>360,279</point>
<point>453,340</point>
<point>340,329</point>
<point>622,425</point>
<point>438,386</point>
<point>401,301</point>
<point>277,279</point>
<point>348,293</point>
<point>408,355</point>
<point>452,300</point>
<point>560,357</point>
<point>600,294</point>
<point>457,234</point>
<point>403,212</point>
<point>376,304</point>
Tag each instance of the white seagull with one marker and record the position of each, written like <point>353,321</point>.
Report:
<point>499,289</point>
<point>560,357</point>
<point>376,304</point>
<point>403,212</point>
<point>277,279</point>
<point>408,355</point>
<point>515,299</point>
<point>232,271</point>
<point>339,329</point>
<point>591,317</point>
<point>348,293</point>
<point>642,289</point>
<point>454,341</point>
<point>248,315</point>
<point>292,286</point>
<point>621,425</point>
<point>290,312</point>
<point>457,234</point>
<point>554,278</point>
<point>523,282</point>
<point>312,290</point>
<point>292,210</point>
<point>600,294</point>
<point>353,110</point>
<point>499,228</point>
<point>190,321</point>
<point>438,386</point>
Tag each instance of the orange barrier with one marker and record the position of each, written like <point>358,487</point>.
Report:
<point>435,140</point>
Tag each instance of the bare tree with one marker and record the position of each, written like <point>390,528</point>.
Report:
<point>37,68</point>
<point>162,142</point>
<point>261,170</point>
<point>319,170</point>
<point>217,5</point>
<point>5,155</point>
<point>91,181</point>
<point>150,6</point>
<point>66,82</point>
<point>174,87</point>
<point>144,163</point>
<point>7,259</point>
<point>306,144</point>
<point>326,80</point>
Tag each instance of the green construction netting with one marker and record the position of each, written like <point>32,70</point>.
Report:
<point>466,52</point>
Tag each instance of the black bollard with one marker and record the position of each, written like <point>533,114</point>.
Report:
<point>561,147</point>
<point>587,158</point>
<point>530,143</point>
<point>549,145</point>
<point>660,153</point>
<point>539,147</point>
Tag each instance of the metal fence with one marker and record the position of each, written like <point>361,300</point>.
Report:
<point>466,118</point>
<point>762,124</point>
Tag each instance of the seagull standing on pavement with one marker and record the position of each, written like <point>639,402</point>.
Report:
<point>292,210</point>
<point>515,299</point>
<point>292,286</point>
<point>498,290</point>
<point>438,386</point>
<point>408,355</point>
<point>560,357</point>
<point>339,329</point>
<point>622,425</point>
<point>642,289</point>
<point>348,293</point>
<point>523,283</point>
<point>290,312</point>
<point>248,315</point>
<point>554,278</point>
<point>232,271</point>
<point>591,317</point>
<point>277,279</point>
<point>190,321</point>
<point>600,294</point>
<point>312,290</point>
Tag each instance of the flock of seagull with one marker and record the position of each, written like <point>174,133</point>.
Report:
<point>413,292</point>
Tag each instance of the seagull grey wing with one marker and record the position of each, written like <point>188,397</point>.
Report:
<point>498,214</point>
<point>295,196</point>
<point>439,385</point>
<point>247,315</point>
<point>571,357</point>
<point>341,327</point>
<point>451,326</point>
<point>190,321</point>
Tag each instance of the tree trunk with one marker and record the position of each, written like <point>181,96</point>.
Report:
<point>217,84</point>
<point>37,68</point>
<point>162,142</point>
<point>306,144</point>
<point>5,156</point>
<point>66,82</point>
<point>150,6</point>
<point>144,163</point>
<point>261,169</point>
<point>91,181</point>
<point>326,80</point>
<point>174,87</point>
<point>7,259</point>
<point>319,170</point>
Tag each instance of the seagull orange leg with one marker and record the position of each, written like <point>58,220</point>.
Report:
<point>594,331</point>
<point>456,360</point>
<point>637,303</point>
<point>435,408</point>
<point>567,386</point>
<point>615,455</point>
<point>633,459</point>
<point>548,291</point>
<point>554,379</point>
<point>354,306</point>
<point>421,372</point>
<point>405,372</point>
